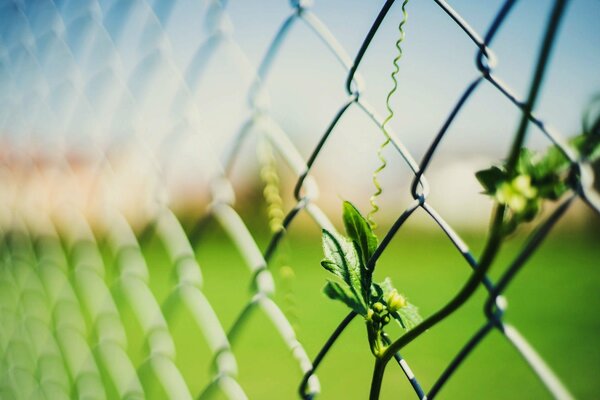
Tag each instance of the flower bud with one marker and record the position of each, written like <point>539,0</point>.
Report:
<point>522,184</point>
<point>396,301</point>
<point>378,307</point>
<point>370,314</point>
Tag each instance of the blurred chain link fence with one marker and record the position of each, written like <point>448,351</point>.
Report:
<point>63,71</point>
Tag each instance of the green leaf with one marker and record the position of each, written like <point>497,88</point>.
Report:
<point>407,316</point>
<point>551,163</point>
<point>491,178</point>
<point>531,210</point>
<point>510,224</point>
<point>335,291</point>
<point>365,274</point>
<point>359,230</point>
<point>542,176</point>
<point>525,163</point>
<point>342,259</point>
<point>332,267</point>
<point>552,187</point>
<point>588,146</point>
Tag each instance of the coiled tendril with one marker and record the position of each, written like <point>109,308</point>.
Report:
<point>378,188</point>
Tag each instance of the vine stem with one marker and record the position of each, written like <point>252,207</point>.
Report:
<point>494,242</point>
<point>492,247</point>
<point>378,372</point>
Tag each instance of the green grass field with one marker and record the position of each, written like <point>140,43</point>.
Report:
<point>553,302</point>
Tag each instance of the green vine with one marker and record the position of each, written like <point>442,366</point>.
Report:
<point>394,76</point>
<point>519,187</point>
<point>347,258</point>
<point>540,176</point>
<point>497,230</point>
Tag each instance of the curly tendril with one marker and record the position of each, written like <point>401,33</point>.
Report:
<point>378,188</point>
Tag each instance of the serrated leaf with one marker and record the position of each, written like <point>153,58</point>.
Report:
<point>335,291</point>
<point>333,268</point>
<point>365,274</point>
<point>490,179</point>
<point>359,230</point>
<point>342,253</point>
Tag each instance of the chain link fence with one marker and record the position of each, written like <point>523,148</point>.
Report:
<point>62,71</point>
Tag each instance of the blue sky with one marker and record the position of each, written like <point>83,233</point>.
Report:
<point>65,59</point>
<point>439,59</point>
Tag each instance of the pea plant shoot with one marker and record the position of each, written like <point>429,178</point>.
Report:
<point>519,187</point>
<point>519,192</point>
<point>347,258</point>
<point>538,176</point>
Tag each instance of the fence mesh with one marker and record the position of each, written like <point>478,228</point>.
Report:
<point>62,70</point>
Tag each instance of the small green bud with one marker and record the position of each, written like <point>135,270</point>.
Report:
<point>386,319</point>
<point>370,314</point>
<point>522,185</point>
<point>378,307</point>
<point>506,194</point>
<point>517,194</point>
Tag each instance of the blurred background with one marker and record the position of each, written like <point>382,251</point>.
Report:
<point>114,111</point>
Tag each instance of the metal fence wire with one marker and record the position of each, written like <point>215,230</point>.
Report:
<point>61,59</point>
